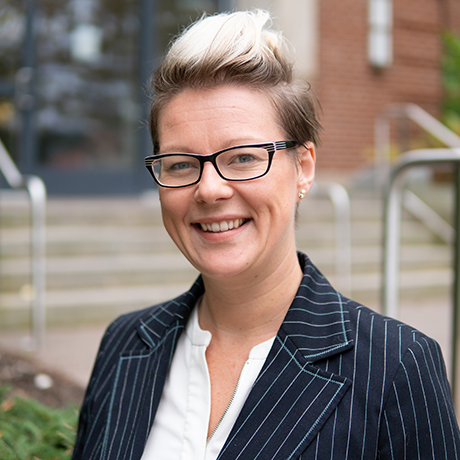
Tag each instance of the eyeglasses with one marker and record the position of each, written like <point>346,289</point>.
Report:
<point>240,163</point>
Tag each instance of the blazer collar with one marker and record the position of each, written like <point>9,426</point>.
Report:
<point>292,398</point>
<point>318,320</point>
<point>174,313</point>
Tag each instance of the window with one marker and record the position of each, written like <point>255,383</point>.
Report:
<point>380,38</point>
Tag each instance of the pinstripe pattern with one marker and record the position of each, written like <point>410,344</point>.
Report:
<point>339,382</point>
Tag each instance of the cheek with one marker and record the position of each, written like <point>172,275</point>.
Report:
<point>286,185</point>
<point>275,199</point>
<point>172,207</point>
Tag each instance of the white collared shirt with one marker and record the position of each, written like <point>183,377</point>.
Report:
<point>180,427</point>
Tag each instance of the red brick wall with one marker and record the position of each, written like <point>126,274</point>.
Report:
<point>352,93</point>
<point>451,15</point>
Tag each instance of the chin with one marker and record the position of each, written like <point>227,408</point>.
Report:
<point>223,268</point>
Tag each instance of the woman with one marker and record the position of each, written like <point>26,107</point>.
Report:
<point>262,358</point>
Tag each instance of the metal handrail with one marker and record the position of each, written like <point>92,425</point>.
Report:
<point>37,194</point>
<point>340,199</point>
<point>392,232</point>
<point>436,129</point>
<point>433,127</point>
<point>416,114</point>
<point>430,218</point>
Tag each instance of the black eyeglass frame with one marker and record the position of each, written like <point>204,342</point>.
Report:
<point>270,147</point>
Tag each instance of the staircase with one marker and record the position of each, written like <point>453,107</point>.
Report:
<point>107,256</point>
<point>425,259</point>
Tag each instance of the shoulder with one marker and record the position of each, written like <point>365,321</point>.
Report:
<point>370,332</point>
<point>409,362</point>
<point>389,342</point>
<point>135,332</point>
<point>123,327</point>
<point>369,326</point>
<point>403,372</point>
<point>157,318</point>
<point>138,330</point>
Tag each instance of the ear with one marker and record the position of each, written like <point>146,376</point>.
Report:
<point>307,160</point>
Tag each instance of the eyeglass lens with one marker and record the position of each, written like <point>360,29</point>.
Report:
<point>235,164</point>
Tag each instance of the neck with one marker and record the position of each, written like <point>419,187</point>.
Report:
<point>251,308</point>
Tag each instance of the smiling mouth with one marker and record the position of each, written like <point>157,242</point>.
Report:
<point>223,226</point>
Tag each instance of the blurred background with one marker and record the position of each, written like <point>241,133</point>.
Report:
<point>74,97</point>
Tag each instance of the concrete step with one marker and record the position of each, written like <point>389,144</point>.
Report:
<point>124,269</point>
<point>109,239</point>
<point>108,256</point>
<point>363,233</point>
<point>413,284</point>
<point>15,210</point>
<point>88,240</point>
<point>71,306</point>
<point>14,206</point>
<point>166,267</point>
<point>74,306</point>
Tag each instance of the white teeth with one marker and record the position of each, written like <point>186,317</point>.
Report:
<point>223,226</point>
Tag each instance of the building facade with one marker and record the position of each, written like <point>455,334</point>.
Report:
<point>74,77</point>
<point>353,91</point>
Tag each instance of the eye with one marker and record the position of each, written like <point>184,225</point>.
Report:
<point>243,162</point>
<point>179,166</point>
<point>244,158</point>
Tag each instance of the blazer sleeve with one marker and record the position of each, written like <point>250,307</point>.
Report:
<point>418,419</point>
<point>88,409</point>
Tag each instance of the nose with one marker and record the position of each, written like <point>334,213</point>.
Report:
<point>212,187</point>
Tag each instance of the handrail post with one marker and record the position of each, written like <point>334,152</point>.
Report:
<point>392,237</point>
<point>37,193</point>
<point>340,199</point>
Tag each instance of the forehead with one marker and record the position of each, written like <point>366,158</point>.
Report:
<point>217,118</point>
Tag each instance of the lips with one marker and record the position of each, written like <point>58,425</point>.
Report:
<point>222,226</point>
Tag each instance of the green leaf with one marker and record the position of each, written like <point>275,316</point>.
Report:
<point>31,430</point>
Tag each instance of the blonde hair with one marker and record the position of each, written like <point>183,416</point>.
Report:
<point>236,48</point>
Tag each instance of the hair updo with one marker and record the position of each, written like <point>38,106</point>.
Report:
<point>237,48</point>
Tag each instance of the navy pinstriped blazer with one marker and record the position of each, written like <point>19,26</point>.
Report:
<point>340,382</point>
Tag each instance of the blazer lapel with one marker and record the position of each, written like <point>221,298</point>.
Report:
<point>292,398</point>
<point>140,378</point>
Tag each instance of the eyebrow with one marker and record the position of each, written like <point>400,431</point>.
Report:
<point>226,145</point>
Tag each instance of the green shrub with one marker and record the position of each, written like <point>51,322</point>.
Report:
<point>451,81</point>
<point>30,430</point>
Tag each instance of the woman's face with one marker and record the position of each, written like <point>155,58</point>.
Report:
<point>262,211</point>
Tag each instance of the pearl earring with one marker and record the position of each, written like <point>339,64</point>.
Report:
<point>302,193</point>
